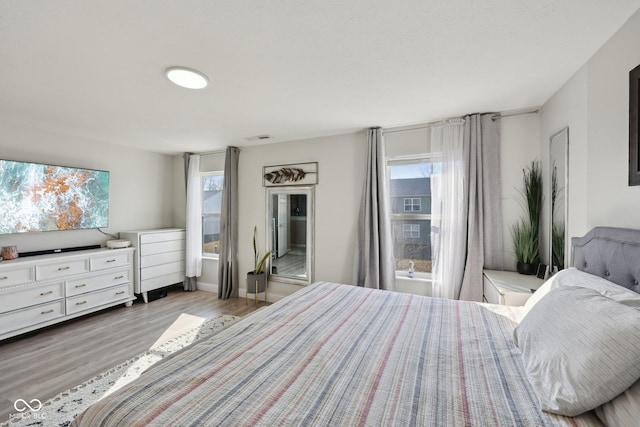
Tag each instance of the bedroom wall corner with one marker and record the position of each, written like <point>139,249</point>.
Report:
<point>568,108</point>
<point>519,145</point>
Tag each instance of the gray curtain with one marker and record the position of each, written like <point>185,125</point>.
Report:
<point>484,235</point>
<point>228,261</point>
<point>374,262</point>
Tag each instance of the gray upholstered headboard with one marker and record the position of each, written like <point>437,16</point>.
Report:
<point>611,253</point>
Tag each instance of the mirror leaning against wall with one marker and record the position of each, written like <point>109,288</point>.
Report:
<point>559,179</point>
<point>290,225</point>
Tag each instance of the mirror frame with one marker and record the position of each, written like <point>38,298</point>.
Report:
<point>309,191</point>
<point>560,137</point>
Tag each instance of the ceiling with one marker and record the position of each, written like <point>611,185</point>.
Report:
<point>291,69</point>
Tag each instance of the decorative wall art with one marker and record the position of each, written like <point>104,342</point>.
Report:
<point>634,124</point>
<point>292,174</point>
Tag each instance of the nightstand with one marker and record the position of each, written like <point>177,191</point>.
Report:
<point>508,287</point>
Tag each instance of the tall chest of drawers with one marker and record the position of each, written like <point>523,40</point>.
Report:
<point>46,289</point>
<point>159,258</point>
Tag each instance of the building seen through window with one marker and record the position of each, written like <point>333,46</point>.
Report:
<point>410,193</point>
<point>212,183</point>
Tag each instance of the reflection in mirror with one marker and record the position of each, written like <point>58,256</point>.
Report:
<point>559,171</point>
<point>290,233</point>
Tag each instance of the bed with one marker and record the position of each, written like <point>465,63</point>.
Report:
<point>334,354</point>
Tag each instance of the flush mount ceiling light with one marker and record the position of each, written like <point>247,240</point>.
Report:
<point>187,77</point>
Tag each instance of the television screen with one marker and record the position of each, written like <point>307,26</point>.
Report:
<point>39,197</point>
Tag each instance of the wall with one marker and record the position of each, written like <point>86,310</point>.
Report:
<point>611,201</point>
<point>594,103</point>
<point>341,173</point>
<point>337,201</point>
<point>567,108</point>
<point>519,145</point>
<point>520,136</point>
<point>141,183</point>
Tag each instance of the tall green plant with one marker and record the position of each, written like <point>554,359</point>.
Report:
<point>259,262</point>
<point>526,232</point>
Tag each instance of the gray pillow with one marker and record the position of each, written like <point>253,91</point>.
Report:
<point>580,349</point>
<point>624,410</point>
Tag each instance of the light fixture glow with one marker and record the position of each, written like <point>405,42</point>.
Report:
<point>187,77</point>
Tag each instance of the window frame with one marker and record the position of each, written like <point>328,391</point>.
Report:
<point>207,255</point>
<point>406,160</point>
<point>413,202</point>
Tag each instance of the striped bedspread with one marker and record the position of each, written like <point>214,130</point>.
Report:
<point>335,355</point>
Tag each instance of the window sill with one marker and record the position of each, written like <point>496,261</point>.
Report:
<point>417,277</point>
<point>211,257</point>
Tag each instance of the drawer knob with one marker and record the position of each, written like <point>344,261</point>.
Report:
<point>4,278</point>
<point>81,302</point>
<point>46,312</point>
<point>81,286</point>
<point>120,293</point>
<point>45,293</point>
<point>63,268</point>
<point>111,260</point>
<point>118,277</point>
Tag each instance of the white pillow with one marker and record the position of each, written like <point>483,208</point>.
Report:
<point>624,410</point>
<point>574,277</point>
<point>580,349</point>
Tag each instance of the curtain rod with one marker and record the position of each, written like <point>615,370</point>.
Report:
<point>495,116</point>
<point>208,153</point>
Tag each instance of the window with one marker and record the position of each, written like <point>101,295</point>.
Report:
<point>410,193</point>
<point>411,204</point>
<point>211,208</point>
<point>411,231</point>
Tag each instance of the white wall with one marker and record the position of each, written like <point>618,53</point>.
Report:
<point>594,103</point>
<point>611,201</point>
<point>519,145</point>
<point>568,108</point>
<point>141,183</point>
<point>337,201</point>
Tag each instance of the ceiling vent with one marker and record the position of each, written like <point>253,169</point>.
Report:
<point>258,138</point>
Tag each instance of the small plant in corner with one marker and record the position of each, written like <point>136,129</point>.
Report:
<point>257,279</point>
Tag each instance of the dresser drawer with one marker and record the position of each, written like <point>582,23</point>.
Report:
<point>160,259</point>
<point>25,317</point>
<point>94,283</point>
<point>91,300</point>
<point>160,282</point>
<point>162,236</point>
<point>162,270</point>
<point>61,269</point>
<point>16,276</point>
<point>115,260</point>
<point>491,294</point>
<point>31,296</point>
<point>162,247</point>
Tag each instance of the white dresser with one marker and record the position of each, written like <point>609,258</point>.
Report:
<point>42,290</point>
<point>508,287</point>
<point>159,259</point>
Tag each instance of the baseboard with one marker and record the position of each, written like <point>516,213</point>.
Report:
<point>210,287</point>
<point>207,287</point>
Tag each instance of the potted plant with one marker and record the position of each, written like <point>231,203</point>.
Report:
<point>257,279</point>
<point>526,232</point>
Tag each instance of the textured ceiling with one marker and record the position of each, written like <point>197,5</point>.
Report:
<point>288,68</point>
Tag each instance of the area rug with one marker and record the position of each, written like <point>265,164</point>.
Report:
<point>63,408</point>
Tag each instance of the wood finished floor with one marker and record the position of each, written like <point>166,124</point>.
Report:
<point>41,364</point>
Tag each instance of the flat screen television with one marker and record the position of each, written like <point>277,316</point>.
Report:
<point>40,197</point>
